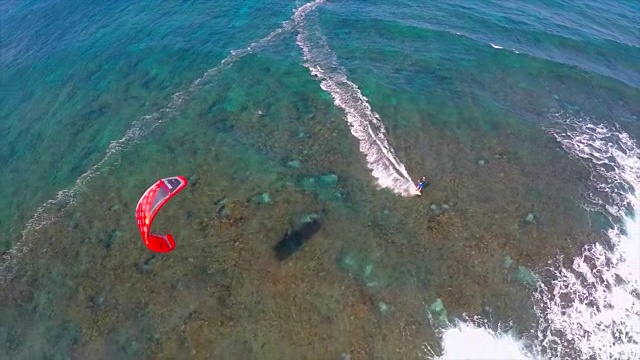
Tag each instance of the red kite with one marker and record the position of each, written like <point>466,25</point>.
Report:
<point>150,203</point>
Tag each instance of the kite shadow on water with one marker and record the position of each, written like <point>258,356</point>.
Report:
<point>296,237</point>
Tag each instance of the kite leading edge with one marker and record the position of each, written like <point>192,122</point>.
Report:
<point>148,206</point>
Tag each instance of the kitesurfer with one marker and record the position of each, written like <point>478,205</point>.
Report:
<point>421,183</point>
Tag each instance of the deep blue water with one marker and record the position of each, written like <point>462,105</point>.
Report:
<point>101,99</point>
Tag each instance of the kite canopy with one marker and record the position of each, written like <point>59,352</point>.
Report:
<point>150,203</point>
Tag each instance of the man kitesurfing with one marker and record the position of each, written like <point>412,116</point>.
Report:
<point>421,183</point>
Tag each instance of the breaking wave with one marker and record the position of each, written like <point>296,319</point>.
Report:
<point>592,309</point>
<point>481,343</point>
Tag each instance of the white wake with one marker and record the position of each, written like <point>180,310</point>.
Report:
<point>364,123</point>
<point>51,210</point>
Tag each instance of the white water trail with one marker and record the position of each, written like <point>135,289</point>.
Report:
<point>591,310</point>
<point>51,210</point>
<point>364,123</point>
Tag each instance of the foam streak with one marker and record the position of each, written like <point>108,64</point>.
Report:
<point>364,123</point>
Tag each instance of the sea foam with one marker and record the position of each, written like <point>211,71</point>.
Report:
<point>590,310</point>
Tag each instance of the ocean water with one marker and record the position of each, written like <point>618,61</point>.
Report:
<point>523,116</point>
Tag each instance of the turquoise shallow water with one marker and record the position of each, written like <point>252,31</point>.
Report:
<point>89,108</point>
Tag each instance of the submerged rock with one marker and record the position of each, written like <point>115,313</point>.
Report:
<point>367,272</point>
<point>308,183</point>
<point>263,198</point>
<point>439,209</point>
<point>438,312</point>
<point>221,209</point>
<point>223,213</point>
<point>363,269</point>
<point>305,219</point>
<point>329,179</point>
<point>221,202</point>
<point>294,164</point>
<point>266,198</point>
<point>96,301</point>
<point>193,180</point>
<point>383,308</point>
<point>349,263</point>
<point>111,238</point>
<point>324,186</point>
<point>530,219</point>
<point>508,262</point>
<point>525,276</point>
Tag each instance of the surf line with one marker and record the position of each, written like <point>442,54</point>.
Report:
<point>364,123</point>
<point>594,302</point>
<point>54,208</point>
